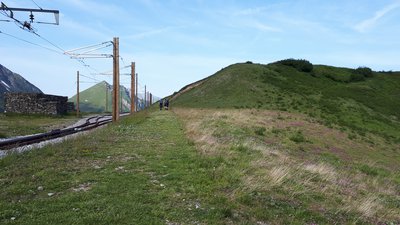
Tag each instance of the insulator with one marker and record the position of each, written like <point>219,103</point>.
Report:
<point>32,17</point>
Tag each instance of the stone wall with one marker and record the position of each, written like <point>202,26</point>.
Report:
<point>34,103</point>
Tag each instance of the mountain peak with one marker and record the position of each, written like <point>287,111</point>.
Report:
<point>13,82</point>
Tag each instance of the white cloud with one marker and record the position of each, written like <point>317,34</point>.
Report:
<point>367,24</point>
<point>151,32</point>
<point>113,11</point>
<point>263,27</point>
<point>249,11</point>
<point>83,29</point>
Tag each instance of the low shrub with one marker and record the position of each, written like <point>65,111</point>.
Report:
<point>365,71</point>
<point>301,65</point>
<point>297,137</point>
<point>361,73</point>
<point>260,131</point>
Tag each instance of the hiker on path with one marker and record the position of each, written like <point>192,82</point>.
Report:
<point>166,104</point>
<point>161,104</point>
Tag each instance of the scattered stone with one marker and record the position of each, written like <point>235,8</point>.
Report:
<point>50,194</point>
<point>261,223</point>
<point>155,181</point>
<point>40,188</point>
<point>120,168</point>
<point>97,167</point>
<point>83,187</point>
<point>75,209</point>
<point>162,185</point>
<point>13,218</point>
<point>197,205</point>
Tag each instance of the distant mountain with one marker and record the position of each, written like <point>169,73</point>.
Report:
<point>98,98</point>
<point>13,82</point>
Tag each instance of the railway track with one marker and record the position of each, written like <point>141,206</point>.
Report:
<point>90,123</point>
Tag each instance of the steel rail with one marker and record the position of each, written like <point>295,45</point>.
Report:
<point>36,138</point>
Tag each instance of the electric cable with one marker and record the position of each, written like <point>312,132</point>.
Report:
<point>37,4</point>
<point>29,42</point>
<point>89,77</point>
<point>48,41</point>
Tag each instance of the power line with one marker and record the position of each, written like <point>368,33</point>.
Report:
<point>37,4</point>
<point>29,42</point>
<point>89,77</point>
<point>81,61</point>
<point>48,41</point>
<point>123,62</point>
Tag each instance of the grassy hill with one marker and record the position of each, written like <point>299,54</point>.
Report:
<point>252,144</point>
<point>98,98</point>
<point>333,95</point>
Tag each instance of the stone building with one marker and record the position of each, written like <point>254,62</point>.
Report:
<point>35,103</point>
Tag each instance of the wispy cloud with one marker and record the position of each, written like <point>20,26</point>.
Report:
<point>96,8</point>
<point>153,32</point>
<point>263,27</point>
<point>249,11</point>
<point>367,24</point>
<point>82,29</point>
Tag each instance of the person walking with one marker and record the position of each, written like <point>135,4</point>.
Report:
<point>166,104</point>
<point>161,104</point>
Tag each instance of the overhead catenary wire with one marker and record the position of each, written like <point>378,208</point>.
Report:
<point>37,5</point>
<point>81,61</point>
<point>29,42</point>
<point>95,49</point>
<point>89,46</point>
<point>87,50</point>
<point>51,43</point>
<point>61,51</point>
<point>91,78</point>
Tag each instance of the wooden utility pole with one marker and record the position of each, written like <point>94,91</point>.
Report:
<point>77,93</point>
<point>132,87</point>
<point>120,101</point>
<point>106,108</point>
<point>151,99</point>
<point>145,97</point>
<point>115,109</point>
<point>136,93</point>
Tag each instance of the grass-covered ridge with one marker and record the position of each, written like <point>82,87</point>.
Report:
<point>215,166</point>
<point>336,96</point>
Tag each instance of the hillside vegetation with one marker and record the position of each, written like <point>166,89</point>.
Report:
<point>284,143</point>
<point>358,100</point>
<point>194,166</point>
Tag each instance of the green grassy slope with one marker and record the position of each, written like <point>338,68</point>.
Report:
<point>94,99</point>
<point>326,93</point>
<point>200,167</point>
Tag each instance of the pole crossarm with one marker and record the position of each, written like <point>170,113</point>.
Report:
<point>10,13</point>
<point>110,72</point>
<point>90,46</point>
<point>87,51</point>
<point>87,56</point>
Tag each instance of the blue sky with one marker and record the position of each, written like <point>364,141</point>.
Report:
<point>176,42</point>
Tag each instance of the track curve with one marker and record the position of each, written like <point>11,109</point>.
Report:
<point>90,123</point>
